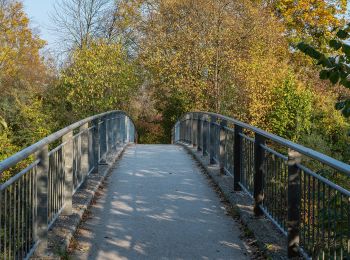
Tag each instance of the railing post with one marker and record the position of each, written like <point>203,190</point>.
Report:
<point>84,164</point>
<point>68,169</point>
<point>107,139</point>
<point>123,129</point>
<point>222,144</point>
<point>96,143</point>
<point>103,139</point>
<point>194,129</point>
<point>293,220</point>
<point>199,132</point>
<point>212,139</point>
<point>187,131</point>
<point>114,131</point>
<point>259,173</point>
<point>237,156</point>
<point>41,225</point>
<point>205,134</point>
<point>127,129</point>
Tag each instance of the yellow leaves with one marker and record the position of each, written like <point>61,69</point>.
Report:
<point>19,49</point>
<point>100,78</point>
<point>310,19</point>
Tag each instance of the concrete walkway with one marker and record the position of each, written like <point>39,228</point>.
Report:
<point>158,205</point>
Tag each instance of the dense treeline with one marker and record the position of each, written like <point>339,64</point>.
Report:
<point>158,59</point>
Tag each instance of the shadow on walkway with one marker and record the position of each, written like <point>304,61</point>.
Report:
<point>158,205</point>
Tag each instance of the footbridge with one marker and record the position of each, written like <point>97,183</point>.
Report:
<point>89,191</point>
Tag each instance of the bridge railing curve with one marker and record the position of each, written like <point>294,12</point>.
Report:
<point>53,169</point>
<point>304,193</point>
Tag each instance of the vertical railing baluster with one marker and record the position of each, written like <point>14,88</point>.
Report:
<point>41,225</point>
<point>259,159</point>
<point>293,219</point>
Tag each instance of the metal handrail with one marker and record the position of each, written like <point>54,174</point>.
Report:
<point>23,154</point>
<point>33,199</point>
<point>313,211</point>
<point>343,167</point>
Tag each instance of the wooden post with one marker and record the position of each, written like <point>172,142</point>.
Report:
<point>293,220</point>
<point>68,169</point>
<point>259,174</point>
<point>41,225</point>
<point>237,157</point>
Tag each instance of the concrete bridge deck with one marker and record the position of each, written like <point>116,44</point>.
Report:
<point>158,205</point>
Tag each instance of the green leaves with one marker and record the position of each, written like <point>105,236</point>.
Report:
<point>334,77</point>
<point>346,49</point>
<point>337,69</point>
<point>336,45</point>
<point>309,50</point>
<point>344,107</point>
<point>342,34</point>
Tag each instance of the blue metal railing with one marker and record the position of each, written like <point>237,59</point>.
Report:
<point>304,193</point>
<point>32,199</point>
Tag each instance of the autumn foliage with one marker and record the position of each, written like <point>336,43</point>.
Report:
<point>159,59</point>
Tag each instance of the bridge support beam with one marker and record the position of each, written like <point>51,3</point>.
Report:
<point>293,220</point>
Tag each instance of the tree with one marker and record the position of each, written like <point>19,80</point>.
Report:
<point>310,20</point>
<point>229,63</point>
<point>77,22</point>
<point>99,78</point>
<point>336,65</point>
<point>24,77</point>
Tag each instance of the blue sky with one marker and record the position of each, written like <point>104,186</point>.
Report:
<point>38,12</point>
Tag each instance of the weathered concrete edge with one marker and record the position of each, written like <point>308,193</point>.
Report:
<point>269,238</point>
<point>64,228</point>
